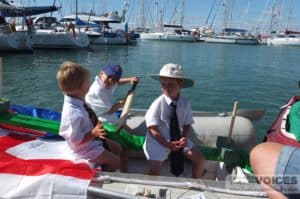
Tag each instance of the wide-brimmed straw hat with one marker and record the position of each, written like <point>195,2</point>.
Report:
<point>173,71</point>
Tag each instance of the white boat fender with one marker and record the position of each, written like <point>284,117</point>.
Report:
<point>238,176</point>
<point>206,130</point>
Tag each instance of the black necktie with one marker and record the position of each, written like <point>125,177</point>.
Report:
<point>93,117</point>
<point>176,157</point>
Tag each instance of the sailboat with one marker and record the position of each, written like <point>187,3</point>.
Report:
<point>56,36</point>
<point>287,38</point>
<point>231,35</point>
<point>103,29</point>
<point>8,10</point>
<point>169,32</point>
<point>10,39</point>
<point>51,34</point>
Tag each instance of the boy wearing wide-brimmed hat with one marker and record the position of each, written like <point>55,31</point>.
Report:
<point>169,120</point>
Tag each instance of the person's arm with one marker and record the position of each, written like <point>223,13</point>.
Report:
<point>156,134</point>
<point>264,159</point>
<point>116,106</point>
<point>121,103</point>
<point>129,80</point>
<point>184,135</point>
<point>188,121</point>
<point>97,132</point>
<point>186,131</point>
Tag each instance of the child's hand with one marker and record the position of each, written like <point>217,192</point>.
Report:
<point>134,80</point>
<point>183,142</point>
<point>174,145</point>
<point>122,101</point>
<point>98,131</point>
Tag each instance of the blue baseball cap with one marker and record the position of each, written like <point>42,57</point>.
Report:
<point>113,69</point>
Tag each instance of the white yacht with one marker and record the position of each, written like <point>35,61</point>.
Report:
<point>290,39</point>
<point>233,36</point>
<point>13,40</point>
<point>169,33</point>
<point>103,29</point>
<point>48,34</point>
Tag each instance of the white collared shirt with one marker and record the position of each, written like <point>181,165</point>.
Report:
<point>75,123</point>
<point>159,114</point>
<point>100,100</point>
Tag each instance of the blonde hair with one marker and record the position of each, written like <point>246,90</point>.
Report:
<point>71,76</point>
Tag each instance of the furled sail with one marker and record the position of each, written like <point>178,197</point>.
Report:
<point>8,10</point>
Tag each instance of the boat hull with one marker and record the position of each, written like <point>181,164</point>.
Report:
<point>167,37</point>
<point>278,131</point>
<point>207,129</point>
<point>15,41</point>
<point>53,39</point>
<point>119,185</point>
<point>122,185</point>
<point>231,40</point>
<point>109,40</point>
<point>284,41</point>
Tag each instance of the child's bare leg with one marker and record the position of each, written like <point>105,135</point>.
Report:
<point>155,167</point>
<point>198,162</point>
<point>124,160</point>
<point>127,128</point>
<point>113,146</point>
<point>110,161</point>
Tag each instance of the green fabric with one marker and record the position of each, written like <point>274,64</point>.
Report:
<point>123,137</point>
<point>30,122</point>
<point>294,118</point>
<point>209,153</point>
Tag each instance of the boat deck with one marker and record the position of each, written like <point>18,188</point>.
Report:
<point>136,184</point>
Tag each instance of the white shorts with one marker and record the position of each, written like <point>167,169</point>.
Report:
<point>155,151</point>
<point>93,152</point>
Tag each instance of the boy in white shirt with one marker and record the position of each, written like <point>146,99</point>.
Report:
<point>77,126</point>
<point>100,99</point>
<point>100,94</point>
<point>161,140</point>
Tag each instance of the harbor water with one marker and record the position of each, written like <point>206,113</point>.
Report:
<point>255,76</point>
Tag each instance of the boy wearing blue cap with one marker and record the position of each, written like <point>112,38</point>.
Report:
<point>100,97</point>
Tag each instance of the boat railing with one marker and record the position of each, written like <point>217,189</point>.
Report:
<point>5,29</point>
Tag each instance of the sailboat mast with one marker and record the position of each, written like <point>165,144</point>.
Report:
<point>274,25</point>
<point>156,10</point>
<point>182,13</point>
<point>210,12</point>
<point>289,16</point>
<point>143,11</point>
<point>76,10</point>
<point>54,2</point>
<point>226,13</point>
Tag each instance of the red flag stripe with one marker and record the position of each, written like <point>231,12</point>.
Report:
<point>13,128</point>
<point>14,165</point>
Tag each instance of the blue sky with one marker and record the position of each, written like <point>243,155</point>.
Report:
<point>245,13</point>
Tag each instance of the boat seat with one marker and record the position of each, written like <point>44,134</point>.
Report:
<point>294,120</point>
